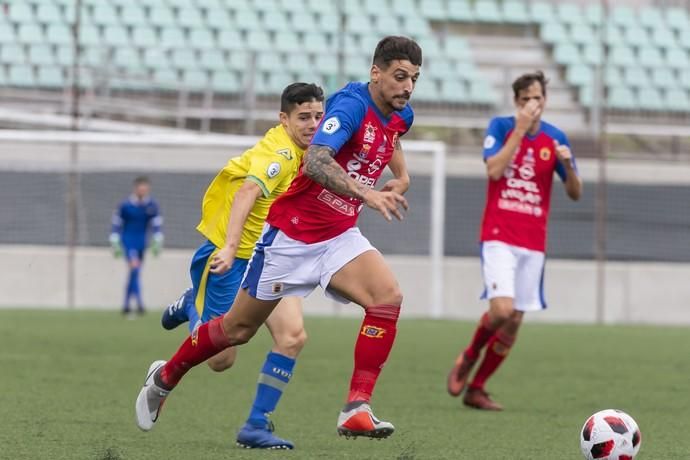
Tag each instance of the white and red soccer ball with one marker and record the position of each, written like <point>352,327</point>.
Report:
<point>610,434</point>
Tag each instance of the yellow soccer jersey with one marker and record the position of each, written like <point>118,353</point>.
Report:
<point>272,164</point>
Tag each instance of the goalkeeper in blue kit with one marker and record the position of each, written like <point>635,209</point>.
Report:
<point>132,222</point>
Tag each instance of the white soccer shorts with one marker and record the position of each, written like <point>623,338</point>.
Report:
<point>515,272</point>
<point>282,266</point>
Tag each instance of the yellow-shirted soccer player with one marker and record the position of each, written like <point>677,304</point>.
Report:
<point>233,212</point>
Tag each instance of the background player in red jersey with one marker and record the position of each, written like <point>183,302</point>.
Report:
<point>521,154</point>
<point>311,238</point>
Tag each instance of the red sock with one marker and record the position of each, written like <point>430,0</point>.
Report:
<point>373,346</point>
<point>496,351</point>
<point>481,337</point>
<point>207,340</point>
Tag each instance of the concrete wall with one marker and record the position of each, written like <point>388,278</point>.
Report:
<point>35,276</point>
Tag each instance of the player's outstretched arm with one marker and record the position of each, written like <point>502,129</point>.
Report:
<point>320,167</point>
<point>398,167</point>
<point>242,205</point>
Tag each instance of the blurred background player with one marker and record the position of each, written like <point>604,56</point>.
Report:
<point>311,238</point>
<point>521,154</point>
<point>132,222</point>
<point>233,213</point>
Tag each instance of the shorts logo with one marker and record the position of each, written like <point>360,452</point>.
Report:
<point>331,125</point>
<point>489,142</point>
<point>374,332</point>
<point>494,286</point>
<point>277,288</point>
<point>273,170</point>
<point>286,153</point>
<point>545,154</point>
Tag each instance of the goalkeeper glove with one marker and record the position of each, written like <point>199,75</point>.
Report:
<point>157,244</point>
<point>115,244</point>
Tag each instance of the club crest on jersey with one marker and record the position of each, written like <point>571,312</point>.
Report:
<point>286,153</point>
<point>374,332</point>
<point>273,170</point>
<point>369,133</point>
<point>331,125</point>
<point>545,153</point>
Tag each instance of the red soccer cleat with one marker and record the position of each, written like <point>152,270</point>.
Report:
<point>457,378</point>
<point>479,399</point>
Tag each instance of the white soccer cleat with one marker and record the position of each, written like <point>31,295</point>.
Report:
<point>361,421</point>
<point>150,399</point>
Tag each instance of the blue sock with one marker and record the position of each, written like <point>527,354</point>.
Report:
<point>274,376</point>
<point>134,286</point>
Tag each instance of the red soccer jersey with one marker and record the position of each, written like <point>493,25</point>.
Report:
<point>364,140</point>
<point>517,205</point>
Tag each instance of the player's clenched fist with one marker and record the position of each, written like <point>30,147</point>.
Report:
<point>563,153</point>
<point>386,203</point>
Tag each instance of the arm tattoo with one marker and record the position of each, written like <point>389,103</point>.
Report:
<point>320,167</point>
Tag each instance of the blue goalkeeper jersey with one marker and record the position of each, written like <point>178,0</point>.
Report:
<point>134,218</point>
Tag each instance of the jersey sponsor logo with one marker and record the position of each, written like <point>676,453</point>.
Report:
<point>286,153</point>
<point>353,166</point>
<point>369,133</point>
<point>273,170</point>
<point>526,172</point>
<point>337,203</point>
<point>374,166</point>
<point>545,153</point>
<point>522,208</point>
<point>331,125</point>
<point>373,332</point>
<point>489,142</point>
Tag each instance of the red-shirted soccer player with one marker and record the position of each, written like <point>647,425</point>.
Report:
<point>521,154</point>
<point>311,238</point>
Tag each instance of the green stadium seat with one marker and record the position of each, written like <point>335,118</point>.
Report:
<point>566,54</point>
<point>274,84</point>
<point>30,34</point>
<point>6,33</point>
<point>368,43</point>
<point>41,55</point>
<point>676,100</point>
<point>677,18</point>
<point>650,99</point>
<point>677,58</point>
<point>20,12</point>
<point>202,39</point>
<point>356,68</point>
<point>134,16</point>
<point>636,77</point>
<point>358,24</point>
<point>553,33</point>
<point>651,18</point>
<point>287,41</point>
<point>315,42</point>
<point>172,37</point>
<point>663,77</point>
<point>376,7</point>
<point>247,20</point>
<point>623,16</point>
<point>276,21</point>
<point>426,89</point>
<point>269,61</point>
<point>466,70</point>
<point>178,4</point>
<point>585,96</point>
<point>460,11</point>
<point>184,59</point>
<point>89,35</point>
<point>684,78</point>
<point>579,75</point>
<point>12,54</point>
<point>622,56</point>
<point>239,60</point>
<point>64,56</point>
<point>230,39</point>
<point>613,76</point>
<point>298,62</point>
<point>144,37</point>
<point>457,48</point>
<point>94,56</point>
<point>351,7</point>
<point>326,64</point>
<point>636,36</point>
<point>664,38</point>
<point>265,6</point>
<point>432,10</point>
<point>49,13</point>
<point>296,7</point>
<point>650,57</point>
<point>481,92</point>
<point>327,22</point>
<point>309,77</point>
<point>487,11</point>
<point>162,16</point>
<point>116,36</point>
<point>226,82</point>
<point>238,5</point>
<point>593,54</point>
<point>166,79</point>
<point>127,58</point>
<point>439,68</point>
<point>594,14</point>
<point>570,13</point>
<point>453,91</point>
<point>542,12</point>
<point>195,80</point>
<point>417,26</point>
<point>212,59</point>
<point>218,19</point>
<point>21,76</point>
<point>583,34</point>
<point>59,34</point>
<point>190,17</point>
<point>156,59</point>
<point>105,14</point>
<point>613,35</point>
<point>515,12</point>
<point>258,40</point>
<point>50,77</point>
<point>430,47</point>
<point>389,25</point>
<point>622,98</point>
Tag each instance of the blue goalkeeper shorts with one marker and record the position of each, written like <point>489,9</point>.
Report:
<point>214,293</point>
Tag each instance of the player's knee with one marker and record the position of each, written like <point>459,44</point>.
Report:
<point>291,344</point>
<point>501,311</point>
<point>241,334</point>
<point>389,295</point>
<point>220,365</point>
